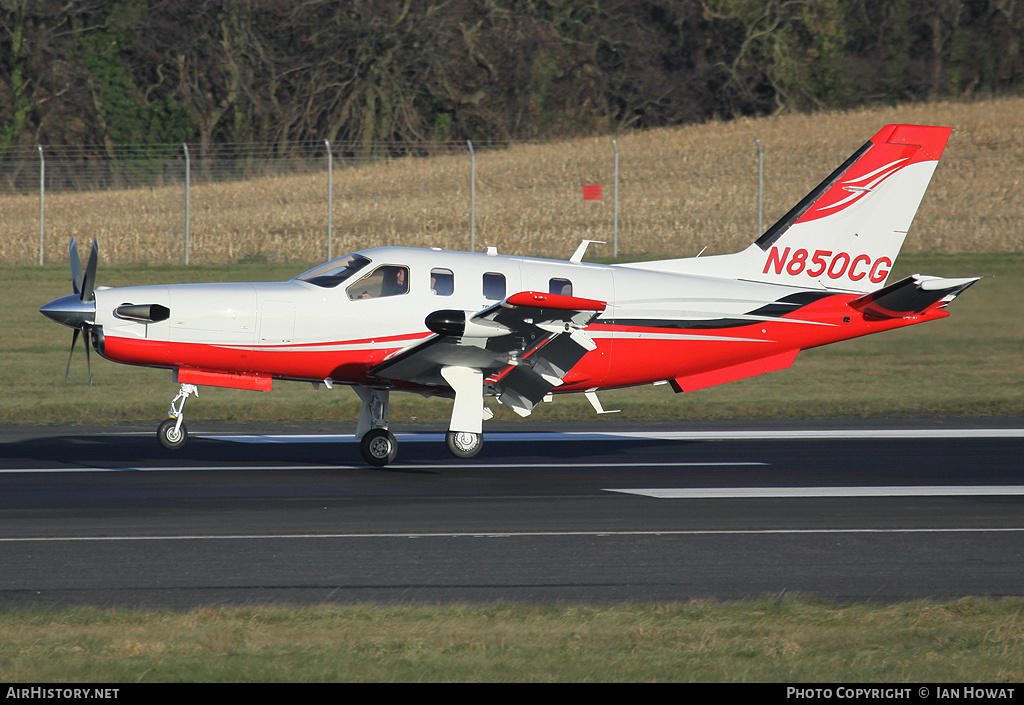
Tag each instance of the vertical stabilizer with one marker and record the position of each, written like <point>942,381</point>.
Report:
<point>846,233</point>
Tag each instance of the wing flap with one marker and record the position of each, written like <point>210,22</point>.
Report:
<point>528,342</point>
<point>528,382</point>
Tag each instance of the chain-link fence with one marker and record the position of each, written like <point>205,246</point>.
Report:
<point>242,202</point>
<point>664,193</point>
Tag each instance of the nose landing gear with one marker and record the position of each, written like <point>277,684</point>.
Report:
<point>172,433</point>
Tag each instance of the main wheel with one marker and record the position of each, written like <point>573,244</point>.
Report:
<point>379,447</point>
<point>170,437</point>
<point>463,444</point>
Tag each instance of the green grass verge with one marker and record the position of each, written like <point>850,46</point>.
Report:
<point>772,639</point>
<point>970,364</point>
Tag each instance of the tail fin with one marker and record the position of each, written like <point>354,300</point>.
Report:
<point>847,232</point>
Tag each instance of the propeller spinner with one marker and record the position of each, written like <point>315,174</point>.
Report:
<point>77,310</point>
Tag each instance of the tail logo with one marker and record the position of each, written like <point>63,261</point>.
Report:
<point>857,188</point>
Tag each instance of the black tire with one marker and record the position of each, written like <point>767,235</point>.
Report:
<point>168,437</point>
<point>463,444</point>
<point>379,447</point>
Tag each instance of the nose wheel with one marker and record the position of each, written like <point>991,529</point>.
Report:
<point>172,433</point>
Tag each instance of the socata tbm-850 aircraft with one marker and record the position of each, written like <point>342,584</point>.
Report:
<point>472,325</point>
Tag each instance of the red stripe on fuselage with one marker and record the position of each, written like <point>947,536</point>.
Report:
<point>299,360</point>
<point>625,359</point>
<point>676,353</point>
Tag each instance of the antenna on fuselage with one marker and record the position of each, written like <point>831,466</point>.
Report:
<point>577,256</point>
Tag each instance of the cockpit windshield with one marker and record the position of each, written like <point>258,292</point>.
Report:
<point>330,274</point>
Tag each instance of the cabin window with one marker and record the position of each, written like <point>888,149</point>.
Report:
<point>494,286</point>
<point>388,280</point>
<point>560,286</point>
<point>442,282</point>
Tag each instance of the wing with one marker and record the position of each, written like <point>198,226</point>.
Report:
<point>524,345</point>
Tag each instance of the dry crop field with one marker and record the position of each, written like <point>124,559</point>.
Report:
<point>681,189</point>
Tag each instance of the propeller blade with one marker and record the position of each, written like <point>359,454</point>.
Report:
<point>87,340</point>
<point>74,339</point>
<point>89,281</point>
<point>78,309</point>
<point>76,267</point>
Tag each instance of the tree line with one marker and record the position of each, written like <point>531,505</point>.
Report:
<point>363,72</point>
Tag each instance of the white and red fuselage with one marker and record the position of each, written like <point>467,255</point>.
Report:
<point>693,330</point>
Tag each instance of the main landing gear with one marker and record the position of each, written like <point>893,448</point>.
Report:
<point>172,433</point>
<point>379,447</point>
<point>377,444</point>
<point>463,444</point>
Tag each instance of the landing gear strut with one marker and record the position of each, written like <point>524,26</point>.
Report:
<point>377,444</point>
<point>465,435</point>
<point>172,433</point>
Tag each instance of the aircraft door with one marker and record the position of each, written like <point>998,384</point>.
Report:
<point>277,321</point>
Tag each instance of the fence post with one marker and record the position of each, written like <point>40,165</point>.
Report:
<point>760,187</point>
<point>188,200</point>
<point>472,197</point>
<point>615,238</point>
<point>42,201</point>
<point>330,201</point>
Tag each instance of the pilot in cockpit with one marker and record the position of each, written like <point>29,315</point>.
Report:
<point>395,281</point>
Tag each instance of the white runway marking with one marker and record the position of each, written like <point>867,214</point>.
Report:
<point>773,492</point>
<point>514,534</point>
<point>764,435</point>
<point>453,465</point>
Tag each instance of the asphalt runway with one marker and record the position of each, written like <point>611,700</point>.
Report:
<point>609,512</point>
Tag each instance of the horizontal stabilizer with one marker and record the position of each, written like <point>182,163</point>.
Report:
<point>911,296</point>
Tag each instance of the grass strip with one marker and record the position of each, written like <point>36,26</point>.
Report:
<point>779,638</point>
